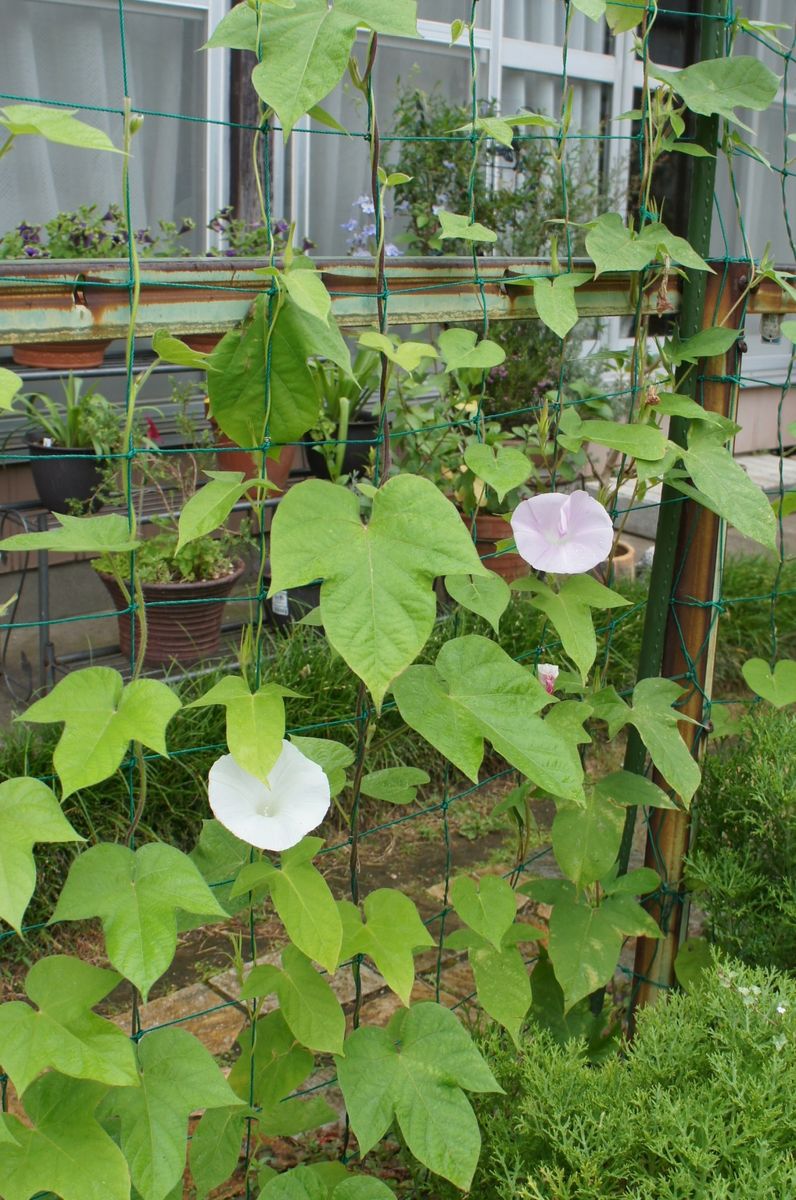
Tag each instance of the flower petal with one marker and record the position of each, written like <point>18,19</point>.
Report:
<point>273,817</point>
<point>563,534</point>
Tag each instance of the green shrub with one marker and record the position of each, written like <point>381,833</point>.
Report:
<point>743,864</point>
<point>701,1107</point>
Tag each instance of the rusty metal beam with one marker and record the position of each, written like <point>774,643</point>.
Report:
<point>48,300</point>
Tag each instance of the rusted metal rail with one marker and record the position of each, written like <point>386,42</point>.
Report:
<point>49,300</point>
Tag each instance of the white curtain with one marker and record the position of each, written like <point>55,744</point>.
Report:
<point>70,51</point>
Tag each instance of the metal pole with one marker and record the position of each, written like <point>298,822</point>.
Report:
<point>691,321</point>
<point>689,654</point>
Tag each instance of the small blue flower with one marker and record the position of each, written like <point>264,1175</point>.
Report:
<point>351,225</point>
<point>366,205</point>
<point>369,230</point>
<point>392,251</point>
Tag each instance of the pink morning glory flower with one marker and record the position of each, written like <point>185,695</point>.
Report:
<point>547,674</point>
<point>563,534</point>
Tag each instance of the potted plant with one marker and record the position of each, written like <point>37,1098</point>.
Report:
<point>182,587</point>
<point>344,436</point>
<point>81,234</point>
<point>69,445</point>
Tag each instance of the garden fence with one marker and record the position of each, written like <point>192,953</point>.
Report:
<point>687,604</point>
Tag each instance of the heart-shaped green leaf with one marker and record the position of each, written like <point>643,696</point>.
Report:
<point>502,467</point>
<point>777,686</point>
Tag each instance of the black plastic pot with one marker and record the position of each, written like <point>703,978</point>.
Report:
<point>63,475</point>
<point>285,608</point>
<point>359,443</point>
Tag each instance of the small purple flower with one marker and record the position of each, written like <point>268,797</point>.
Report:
<point>351,225</point>
<point>369,231</point>
<point>448,165</point>
<point>360,252</point>
<point>281,228</point>
<point>560,533</point>
<point>402,206</point>
<point>307,244</point>
<point>365,204</point>
<point>392,251</point>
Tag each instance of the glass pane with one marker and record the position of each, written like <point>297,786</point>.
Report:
<point>451,10</point>
<point>543,21</point>
<point>70,52</point>
<point>339,167</point>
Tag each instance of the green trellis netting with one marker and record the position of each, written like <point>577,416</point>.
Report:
<point>673,627</point>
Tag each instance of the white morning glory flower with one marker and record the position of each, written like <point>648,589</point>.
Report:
<point>565,534</point>
<point>272,816</point>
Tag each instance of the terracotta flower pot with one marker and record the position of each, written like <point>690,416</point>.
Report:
<point>624,564</point>
<point>176,632</point>
<point>60,356</point>
<point>205,343</point>
<point>489,531</point>
<point>230,457</point>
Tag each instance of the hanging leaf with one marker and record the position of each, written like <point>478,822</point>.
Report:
<point>459,225</point>
<point>396,18</point>
<point>65,1152</point>
<point>502,129</point>
<point>489,909</point>
<point>569,610</point>
<point>625,16</point>
<point>629,790</point>
<point>237,30</point>
<point>305,53</point>
<point>693,959</point>
<point>237,388</point>
<point>708,343</point>
<point>656,721</point>
<point>418,1084</point>
<point>136,895</point>
<point>730,491</point>
<point>216,1146</point>
<point>279,1068</point>
<point>394,785</point>
<point>219,856</point>
<point>176,1075</point>
<point>461,350</point>
<point>10,383</point>
<point>333,757</point>
<point>255,724</point>
<point>302,898</point>
<point>778,687</point>
<point>719,86</point>
<point>55,124</point>
<point>307,289</point>
<point>101,717</point>
<point>29,813</point>
<point>614,247</point>
<point>62,1032</point>
<point>585,942</point>
<point>306,1001</point>
<point>208,508</point>
<point>486,596</point>
<point>555,301</point>
<point>174,350</point>
<point>586,839</point>
<point>78,535</point>
<point>502,467</point>
<point>407,355</point>
<point>390,935</point>
<point>477,691</point>
<point>377,598</point>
